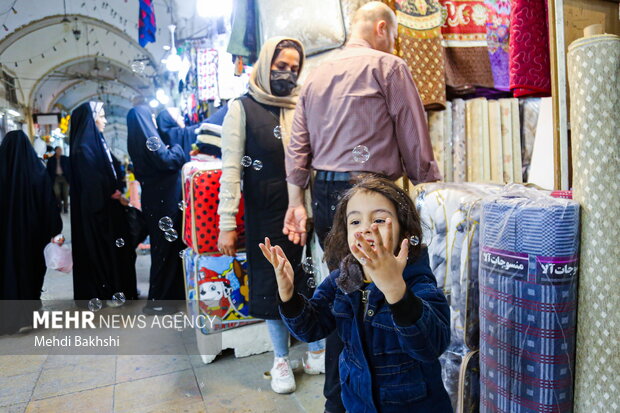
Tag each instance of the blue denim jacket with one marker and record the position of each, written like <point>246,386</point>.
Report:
<point>383,367</point>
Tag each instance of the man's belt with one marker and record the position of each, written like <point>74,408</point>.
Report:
<point>331,176</point>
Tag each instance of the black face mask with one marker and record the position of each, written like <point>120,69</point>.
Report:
<point>282,82</point>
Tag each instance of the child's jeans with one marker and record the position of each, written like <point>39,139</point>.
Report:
<point>279,337</point>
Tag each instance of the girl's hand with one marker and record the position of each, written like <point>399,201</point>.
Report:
<point>116,195</point>
<point>380,264</point>
<point>283,268</point>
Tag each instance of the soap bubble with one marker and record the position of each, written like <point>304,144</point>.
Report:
<point>119,298</point>
<point>153,143</point>
<point>181,205</point>
<point>181,253</point>
<point>43,289</point>
<point>165,223</point>
<point>414,240</point>
<point>257,165</point>
<point>307,265</point>
<point>311,282</point>
<point>94,304</point>
<point>361,154</point>
<point>246,161</point>
<point>171,235</point>
<point>120,243</point>
<point>277,132</point>
<point>138,66</point>
<point>333,207</point>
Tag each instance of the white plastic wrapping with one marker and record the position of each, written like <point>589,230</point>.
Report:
<point>450,215</point>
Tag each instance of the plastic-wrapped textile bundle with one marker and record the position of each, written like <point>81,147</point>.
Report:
<point>528,278</point>
<point>450,215</point>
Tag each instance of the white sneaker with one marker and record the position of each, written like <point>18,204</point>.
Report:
<point>282,378</point>
<point>314,363</point>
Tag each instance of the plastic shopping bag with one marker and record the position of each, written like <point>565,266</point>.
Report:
<point>58,258</point>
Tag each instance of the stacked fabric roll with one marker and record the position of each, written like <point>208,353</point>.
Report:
<point>594,77</point>
<point>477,140</point>
<point>528,284</point>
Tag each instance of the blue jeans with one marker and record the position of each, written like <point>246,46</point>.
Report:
<point>280,335</point>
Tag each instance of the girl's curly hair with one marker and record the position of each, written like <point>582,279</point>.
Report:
<point>336,244</point>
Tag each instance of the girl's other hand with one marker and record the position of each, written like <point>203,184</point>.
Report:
<point>285,275</point>
<point>380,264</point>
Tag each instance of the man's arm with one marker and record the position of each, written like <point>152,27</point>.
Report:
<point>410,126</point>
<point>296,216</point>
<point>297,159</point>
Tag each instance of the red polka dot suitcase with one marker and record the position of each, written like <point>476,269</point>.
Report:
<point>201,187</point>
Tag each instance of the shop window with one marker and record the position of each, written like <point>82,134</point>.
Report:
<point>9,87</point>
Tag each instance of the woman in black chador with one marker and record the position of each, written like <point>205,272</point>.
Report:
<point>29,218</point>
<point>158,168</point>
<point>103,258</point>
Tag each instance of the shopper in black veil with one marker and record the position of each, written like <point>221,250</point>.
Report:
<point>172,130</point>
<point>29,218</point>
<point>159,171</point>
<point>103,259</point>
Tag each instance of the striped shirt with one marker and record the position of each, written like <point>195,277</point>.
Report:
<point>362,97</point>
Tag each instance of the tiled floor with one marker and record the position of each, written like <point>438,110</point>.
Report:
<point>141,384</point>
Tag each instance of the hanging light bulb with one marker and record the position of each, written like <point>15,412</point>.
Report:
<point>154,103</point>
<point>173,62</point>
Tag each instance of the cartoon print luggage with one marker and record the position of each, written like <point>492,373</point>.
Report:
<point>201,185</point>
<point>217,288</point>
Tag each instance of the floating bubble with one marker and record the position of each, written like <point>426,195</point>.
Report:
<point>246,161</point>
<point>307,265</point>
<point>181,253</point>
<point>43,289</point>
<point>165,223</point>
<point>171,235</point>
<point>311,282</point>
<point>257,165</point>
<point>181,205</point>
<point>153,143</point>
<point>361,154</point>
<point>277,132</point>
<point>138,66</point>
<point>414,240</point>
<point>120,243</point>
<point>119,299</point>
<point>95,304</point>
<point>333,207</point>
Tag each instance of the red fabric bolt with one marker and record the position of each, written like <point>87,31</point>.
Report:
<point>530,70</point>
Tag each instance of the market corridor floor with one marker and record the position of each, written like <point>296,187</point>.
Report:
<point>140,384</point>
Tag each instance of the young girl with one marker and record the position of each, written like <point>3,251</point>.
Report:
<point>383,300</point>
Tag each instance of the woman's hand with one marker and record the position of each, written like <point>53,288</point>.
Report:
<point>227,243</point>
<point>116,194</point>
<point>380,264</point>
<point>124,201</point>
<point>283,269</point>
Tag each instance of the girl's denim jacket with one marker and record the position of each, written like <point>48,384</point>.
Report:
<point>386,366</point>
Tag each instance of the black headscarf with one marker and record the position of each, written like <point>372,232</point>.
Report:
<point>172,134</point>
<point>29,218</point>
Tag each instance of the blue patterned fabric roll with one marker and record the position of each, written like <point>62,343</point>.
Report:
<point>528,279</point>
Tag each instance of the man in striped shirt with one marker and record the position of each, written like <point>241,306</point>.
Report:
<point>358,112</point>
